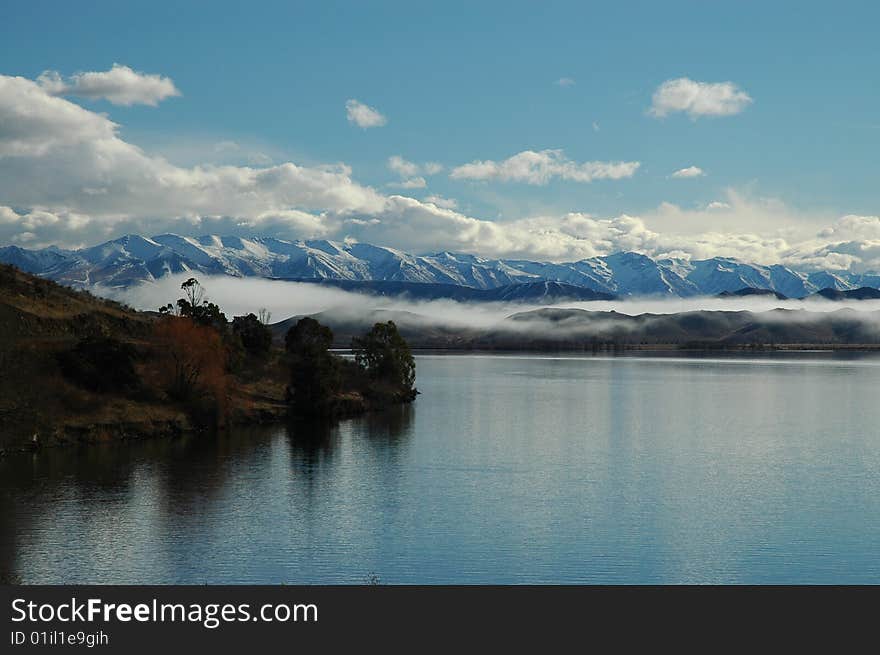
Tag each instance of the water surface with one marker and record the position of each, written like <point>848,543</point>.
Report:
<point>507,469</point>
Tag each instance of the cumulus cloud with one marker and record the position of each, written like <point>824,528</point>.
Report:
<point>74,180</point>
<point>402,167</point>
<point>852,242</point>
<point>440,201</point>
<point>363,115</point>
<point>564,81</point>
<point>120,85</point>
<point>411,172</point>
<point>690,171</point>
<point>60,157</point>
<point>698,99</point>
<point>765,231</point>
<point>539,168</point>
<point>67,178</point>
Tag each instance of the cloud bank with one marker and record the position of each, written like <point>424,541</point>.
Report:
<point>68,178</point>
<point>238,296</point>
<point>120,85</point>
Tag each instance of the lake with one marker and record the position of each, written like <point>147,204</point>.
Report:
<point>507,469</point>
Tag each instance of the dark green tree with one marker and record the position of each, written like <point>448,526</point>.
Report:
<point>386,356</point>
<point>314,375</point>
<point>308,338</point>
<point>255,337</point>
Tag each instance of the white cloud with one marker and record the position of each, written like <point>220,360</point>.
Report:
<point>738,211</point>
<point>405,168</point>
<point>402,167</point>
<point>411,172</point>
<point>58,156</point>
<point>540,167</point>
<point>440,201</point>
<point>854,227</point>
<point>690,171</point>
<point>120,85</point>
<point>565,81</point>
<point>698,98</point>
<point>67,178</point>
<point>363,115</point>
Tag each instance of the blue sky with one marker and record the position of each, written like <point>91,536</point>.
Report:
<point>464,82</point>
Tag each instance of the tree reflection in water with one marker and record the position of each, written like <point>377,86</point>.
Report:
<point>180,487</point>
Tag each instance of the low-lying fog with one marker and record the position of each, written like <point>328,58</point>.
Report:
<point>237,296</point>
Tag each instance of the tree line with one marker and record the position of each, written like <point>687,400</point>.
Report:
<point>199,347</point>
<point>196,357</point>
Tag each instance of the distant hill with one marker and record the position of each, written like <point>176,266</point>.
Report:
<point>701,329</point>
<point>134,259</point>
<point>862,293</point>
<point>578,329</point>
<point>749,291</point>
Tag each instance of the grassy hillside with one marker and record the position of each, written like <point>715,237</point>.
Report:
<point>42,322</point>
<point>76,368</point>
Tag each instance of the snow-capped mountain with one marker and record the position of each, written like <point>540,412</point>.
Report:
<point>724,274</point>
<point>134,259</point>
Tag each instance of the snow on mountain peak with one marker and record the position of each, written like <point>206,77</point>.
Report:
<point>132,259</point>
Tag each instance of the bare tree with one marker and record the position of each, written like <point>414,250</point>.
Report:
<point>194,291</point>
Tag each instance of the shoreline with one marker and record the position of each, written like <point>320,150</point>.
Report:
<point>84,432</point>
<point>665,348</point>
<point>77,434</point>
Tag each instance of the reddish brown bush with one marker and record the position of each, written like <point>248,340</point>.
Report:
<point>192,363</point>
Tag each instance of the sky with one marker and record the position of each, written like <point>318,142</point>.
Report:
<point>553,130</point>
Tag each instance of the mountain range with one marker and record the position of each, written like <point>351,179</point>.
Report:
<point>134,259</point>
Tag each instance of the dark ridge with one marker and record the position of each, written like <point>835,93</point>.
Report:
<point>862,293</point>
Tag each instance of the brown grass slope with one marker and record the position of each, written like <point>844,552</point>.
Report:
<point>39,320</point>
